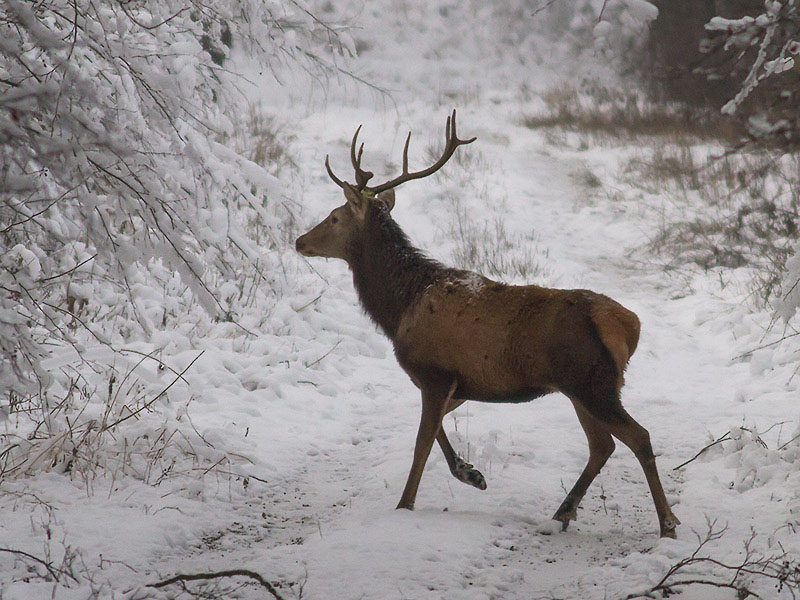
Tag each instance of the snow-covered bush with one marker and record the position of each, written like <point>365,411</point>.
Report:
<point>755,461</point>
<point>770,40</point>
<point>118,182</point>
<point>621,26</point>
<point>738,210</point>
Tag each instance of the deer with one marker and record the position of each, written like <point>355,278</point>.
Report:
<point>460,336</point>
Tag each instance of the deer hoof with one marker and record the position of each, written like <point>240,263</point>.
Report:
<point>564,517</point>
<point>669,533</point>
<point>468,474</point>
<point>668,527</point>
<point>568,511</point>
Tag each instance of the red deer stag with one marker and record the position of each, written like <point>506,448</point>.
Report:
<point>460,336</point>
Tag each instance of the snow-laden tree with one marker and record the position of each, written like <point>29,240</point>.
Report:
<point>767,44</point>
<point>119,180</point>
<point>615,29</point>
<point>770,41</point>
<point>113,123</point>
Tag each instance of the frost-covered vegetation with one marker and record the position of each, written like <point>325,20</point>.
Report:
<point>127,202</point>
<point>181,393</point>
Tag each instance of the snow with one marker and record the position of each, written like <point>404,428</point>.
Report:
<point>642,10</point>
<point>318,420</point>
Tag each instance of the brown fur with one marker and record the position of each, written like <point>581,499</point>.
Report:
<point>500,341</point>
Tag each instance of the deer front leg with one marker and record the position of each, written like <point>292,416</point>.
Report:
<point>461,469</point>
<point>434,407</point>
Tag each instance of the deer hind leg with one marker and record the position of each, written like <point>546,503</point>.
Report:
<point>601,446</point>
<point>434,407</point>
<point>625,428</point>
<point>461,469</point>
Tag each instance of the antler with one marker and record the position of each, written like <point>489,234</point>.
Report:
<point>362,177</point>
<point>451,143</point>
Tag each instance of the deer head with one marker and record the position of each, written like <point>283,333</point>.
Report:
<point>334,235</point>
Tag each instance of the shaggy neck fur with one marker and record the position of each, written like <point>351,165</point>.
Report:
<point>388,272</point>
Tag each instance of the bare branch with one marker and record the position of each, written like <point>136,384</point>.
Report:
<point>183,577</point>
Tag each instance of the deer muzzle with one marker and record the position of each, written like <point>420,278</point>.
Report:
<point>302,246</point>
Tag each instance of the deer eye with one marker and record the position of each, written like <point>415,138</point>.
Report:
<point>334,220</point>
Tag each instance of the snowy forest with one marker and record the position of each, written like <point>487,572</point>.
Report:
<point>195,405</point>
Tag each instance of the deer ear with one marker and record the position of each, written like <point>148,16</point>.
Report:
<point>355,200</point>
<point>387,198</point>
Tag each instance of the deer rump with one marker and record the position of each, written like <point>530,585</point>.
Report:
<point>502,343</point>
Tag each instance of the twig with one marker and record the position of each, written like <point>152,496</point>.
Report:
<point>749,352</point>
<point>305,306</point>
<point>154,25</point>
<point>158,360</point>
<point>79,265</point>
<point>782,446</point>
<point>244,476</point>
<point>149,403</point>
<point>543,7</point>
<point>31,217</point>
<point>727,435</point>
<point>55,572</point>
<point>602,10</point>
<point>719,440</point>
<point>309,365</point>
<point>217,575</point>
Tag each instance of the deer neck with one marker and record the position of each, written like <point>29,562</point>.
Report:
<point>389,273</point>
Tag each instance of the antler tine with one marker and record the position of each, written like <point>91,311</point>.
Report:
<point>362,177</point>
<point>455,136</point>
<point>405,154</point>
<point>353,148</point>
<point>358,158</point>
<point>451,143</point>
<point>336,180</point>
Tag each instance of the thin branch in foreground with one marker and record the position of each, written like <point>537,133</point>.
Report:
<point>780,571</point>
<point>727,436</point>
<point>55,572</point>
<point>311,364</point>
<point>724,437</point>
<point>75,268</point>
<point>543,7</point>
<point>183,577</point>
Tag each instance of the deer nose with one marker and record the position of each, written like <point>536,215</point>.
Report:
<point>300,245</point>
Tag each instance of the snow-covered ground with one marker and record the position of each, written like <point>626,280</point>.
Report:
<point>320,420</point>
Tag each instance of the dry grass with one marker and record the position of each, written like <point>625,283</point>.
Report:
<point>266,141</point>
<point>608,113</point>
<point>482,243</point>
<point>489,249</point>
<point>118,441</point>
<point>739,209</point>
